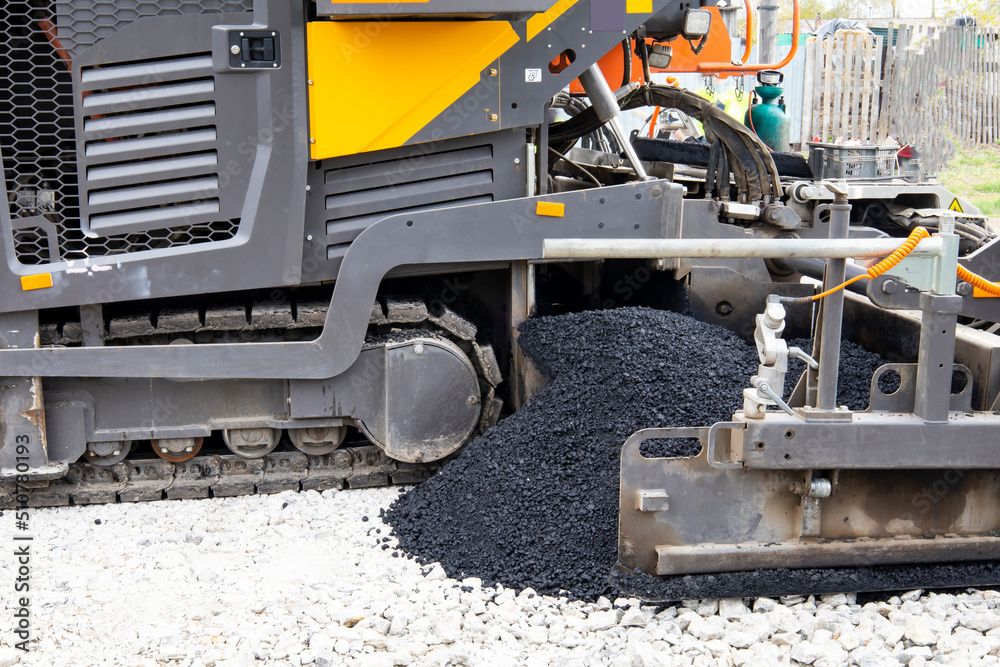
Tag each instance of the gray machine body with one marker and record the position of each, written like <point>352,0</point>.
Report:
<point>163,171</point>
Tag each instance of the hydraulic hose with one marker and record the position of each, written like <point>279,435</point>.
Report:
<point>749,160</point>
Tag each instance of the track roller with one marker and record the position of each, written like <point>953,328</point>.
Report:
<point>106,454</point>
<point>317,441</point>
<point>252,443</point>
<point>178,450</point>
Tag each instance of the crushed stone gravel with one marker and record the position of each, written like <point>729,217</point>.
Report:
<point>297,579</point>
<point>533,503</point>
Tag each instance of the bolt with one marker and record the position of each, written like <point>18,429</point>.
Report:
<point>494,118</point>
<point>189,449</point>
<point>311,82</point>
<point>418,349</point>
<point>473,400</point>
<point>116,452</point>
<point>656,192</point>
<point>163,450</point>
<point>725,309</point>
<point>889,287</point>
<point>493,71</point>
<point>236,50</point>
<point>312,141</point>
<point>517,160</point>
<point>965,289</point>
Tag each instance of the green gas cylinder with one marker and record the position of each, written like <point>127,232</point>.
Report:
<point>768,118</point>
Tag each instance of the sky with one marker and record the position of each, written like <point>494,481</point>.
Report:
<point>918,9</point>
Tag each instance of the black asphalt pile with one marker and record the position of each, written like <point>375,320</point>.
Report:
<point>534,501</point>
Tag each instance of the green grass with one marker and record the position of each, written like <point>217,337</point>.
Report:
<point>974,174</point>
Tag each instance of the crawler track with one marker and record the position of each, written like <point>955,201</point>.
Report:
<point>146,477</point>
<point>150,479</point>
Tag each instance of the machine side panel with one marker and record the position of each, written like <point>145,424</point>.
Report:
<point>192,174</point>
<point>349,194</point>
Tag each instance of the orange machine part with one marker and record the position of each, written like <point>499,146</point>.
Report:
<point>718,48</point>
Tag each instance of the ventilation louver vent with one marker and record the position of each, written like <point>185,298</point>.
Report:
<point>38,134</point>
<point>357,197</point>
<point>149,138</point>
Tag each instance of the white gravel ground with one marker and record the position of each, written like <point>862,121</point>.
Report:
<point>298,579</point>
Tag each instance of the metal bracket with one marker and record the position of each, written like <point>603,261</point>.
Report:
<point>902,399</point>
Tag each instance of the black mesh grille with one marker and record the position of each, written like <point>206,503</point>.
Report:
<point>36,124</point>
<point>37,136</point>
<point>86,22</point>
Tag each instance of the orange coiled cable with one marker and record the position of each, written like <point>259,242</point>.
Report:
<point>975,280</point>
<point>889,262</point>
<point>915,237</point>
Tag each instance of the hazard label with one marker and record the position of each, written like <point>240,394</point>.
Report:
<point>955,206</point>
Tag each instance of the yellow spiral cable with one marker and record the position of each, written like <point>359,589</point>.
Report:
<point>983,284</point>
<point>915,237</point>
<point>889,262</point>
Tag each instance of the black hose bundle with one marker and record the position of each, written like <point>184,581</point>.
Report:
<point>735,149</point>
<point>601,139</point>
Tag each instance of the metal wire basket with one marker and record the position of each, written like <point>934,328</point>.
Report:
<point>854,161</point>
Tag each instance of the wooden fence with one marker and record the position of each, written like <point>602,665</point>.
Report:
<point>943,90</point>
<point>843,84</point>
<point>940,86</point>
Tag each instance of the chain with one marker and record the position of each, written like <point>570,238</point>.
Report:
<point>710,88</point>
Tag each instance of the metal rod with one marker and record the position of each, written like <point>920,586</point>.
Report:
<point>626,143</point>
<point>603,99</point>
<point>695,248</point>
<point>832,318</point>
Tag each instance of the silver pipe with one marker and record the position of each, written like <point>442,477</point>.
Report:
<point>708,248</point>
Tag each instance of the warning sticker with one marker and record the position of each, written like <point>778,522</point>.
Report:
<point>955,206</point>
<point>532,75</point>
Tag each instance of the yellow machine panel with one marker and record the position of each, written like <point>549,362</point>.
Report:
<point>353,65</point>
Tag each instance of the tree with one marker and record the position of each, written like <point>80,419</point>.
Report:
<point>985,12</point>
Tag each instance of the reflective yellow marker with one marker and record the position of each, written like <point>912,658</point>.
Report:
<point>40,281</point>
